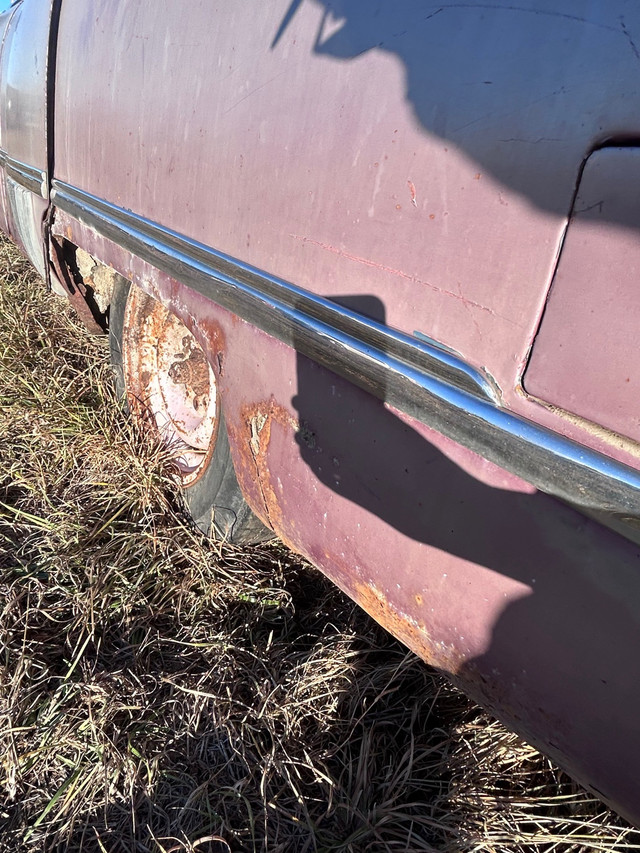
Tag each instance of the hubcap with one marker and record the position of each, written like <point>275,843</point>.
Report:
<point>169,382</point>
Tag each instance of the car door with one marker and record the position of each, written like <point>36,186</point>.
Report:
<point>25,75</point>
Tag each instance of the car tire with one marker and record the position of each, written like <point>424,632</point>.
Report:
<point>141,329</point>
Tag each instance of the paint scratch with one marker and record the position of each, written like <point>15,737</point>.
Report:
<point>253,91</point>
<point>412,190</point>
<point>627,35</point>
<point>504,7</point>
<point>469,303</point>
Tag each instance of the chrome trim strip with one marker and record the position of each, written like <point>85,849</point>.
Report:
<point>426,383</point>
<point>28,177</point>
<point>231,274</point>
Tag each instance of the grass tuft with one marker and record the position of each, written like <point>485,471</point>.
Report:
<point>159,693</point>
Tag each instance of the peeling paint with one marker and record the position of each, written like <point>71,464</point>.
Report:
<point>100,278</point>
<point>412,191</point>
<point>257,420</point>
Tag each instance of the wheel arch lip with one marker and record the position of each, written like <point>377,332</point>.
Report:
<point>414,376</point>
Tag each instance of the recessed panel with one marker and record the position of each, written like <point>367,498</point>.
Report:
<point>585,356</point>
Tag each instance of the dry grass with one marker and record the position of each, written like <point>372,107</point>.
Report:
<point>161,694</point>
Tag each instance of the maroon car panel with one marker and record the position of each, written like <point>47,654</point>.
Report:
<point>419,164</point>
<point>429,169</point>
<point>528,605</point>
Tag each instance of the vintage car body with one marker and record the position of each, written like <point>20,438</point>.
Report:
<point>405,235</point>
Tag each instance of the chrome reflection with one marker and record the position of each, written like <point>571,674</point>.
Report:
<point>34,180</point>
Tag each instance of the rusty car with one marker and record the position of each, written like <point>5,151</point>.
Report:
<point>371,269</point>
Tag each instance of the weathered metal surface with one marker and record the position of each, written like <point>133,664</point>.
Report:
<point>442,168</point>
<point>170,383</point>
<point>100,279</point>
<point>446,199</point>
<point>24,85</point>
<point>25,213</point>
<point>5,18</point>
<point>252,443</point>
<point>528,605</point>
<point>260,298</point>
<point>34,180</point>
<point>584,357</point>
<point>75,289</point>
<point>24,89</point>
<point>435,170</point>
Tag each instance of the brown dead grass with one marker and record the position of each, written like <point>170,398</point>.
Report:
<point>158,693</point>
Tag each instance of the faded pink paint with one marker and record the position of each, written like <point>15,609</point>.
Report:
<point>585,357</point>
<point>222,140</point>
<point>499,586</point>
<point>197,122</point>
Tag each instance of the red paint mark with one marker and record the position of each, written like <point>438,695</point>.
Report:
<point>468,303</point>
<point>412,190</point>
<point>477,176</point>
<point>432,216</point>
<point>398,207</point>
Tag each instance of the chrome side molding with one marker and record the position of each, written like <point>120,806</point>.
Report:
<point>247,291</point>
<point>413,375</point>
<point>28,177</point>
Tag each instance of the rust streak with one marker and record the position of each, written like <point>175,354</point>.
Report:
<point>405,627</point>
<point>257,420</point>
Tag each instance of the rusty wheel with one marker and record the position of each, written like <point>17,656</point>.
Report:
<point>171,389</point>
